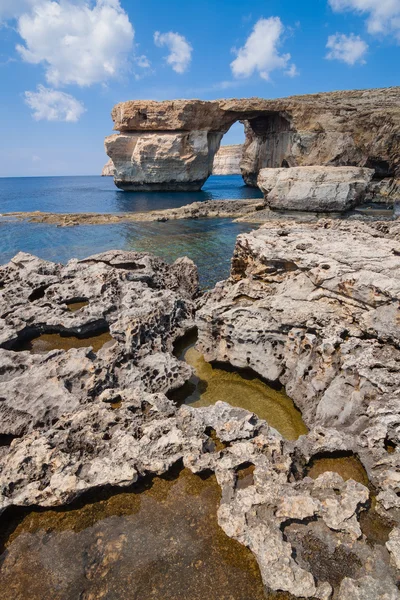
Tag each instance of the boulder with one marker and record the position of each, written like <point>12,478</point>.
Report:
<point>314,189</point>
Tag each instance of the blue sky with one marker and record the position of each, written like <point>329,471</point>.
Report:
<point>65,63</point>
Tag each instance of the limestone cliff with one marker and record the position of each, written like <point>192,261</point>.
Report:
<point>227,160</point>
<point>171,145</point>
<point>108,169</point>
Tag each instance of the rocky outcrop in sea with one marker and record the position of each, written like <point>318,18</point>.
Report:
<point>171,145</point>
<point>226,162</point>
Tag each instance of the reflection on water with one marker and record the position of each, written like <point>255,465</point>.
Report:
<point>160,540</point>
<point>54,341</point>
<point>210,384</point>
<point>208,242</point>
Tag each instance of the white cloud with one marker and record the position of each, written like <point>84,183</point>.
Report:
<point>53,105</point>
<point>77,43</point>
<point>383,15</point>
<point>261,51</point>
<point>142,61</point>
<point>347,48</point>
<point>292,71</point>
<point>180,53</point>
<point>12,9</point>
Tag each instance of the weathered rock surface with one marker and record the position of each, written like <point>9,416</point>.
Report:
<point>90,419</point>
<point>195,210</point>
<point>227,160</point>
<point>144,303</point>
<point>162,161</point>
<point>171,144</point>
<point>108,169</point>
<point>314,189</point>
<point>315,307</point>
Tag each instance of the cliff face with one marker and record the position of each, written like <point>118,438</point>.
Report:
<point>227,160</point>
<point>108,169</point>
<point>171,145</point>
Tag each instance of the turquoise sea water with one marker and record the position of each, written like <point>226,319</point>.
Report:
<point>209,242</point>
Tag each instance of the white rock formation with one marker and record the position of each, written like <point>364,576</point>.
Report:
<point>108,169</point>
<point>227,160</point>
<point>319,189</point>
<point>167,161</point>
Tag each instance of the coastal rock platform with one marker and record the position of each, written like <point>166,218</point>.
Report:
<point>311,305</point>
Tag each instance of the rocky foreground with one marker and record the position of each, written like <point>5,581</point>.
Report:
<point>313,306</point>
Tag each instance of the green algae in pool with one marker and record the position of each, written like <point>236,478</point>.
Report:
<point>54,341</point>
<point>160,539</point>
<point>210,384</point>
<point>374,526</point>
<point>74,306</point>
<point>348,466</point>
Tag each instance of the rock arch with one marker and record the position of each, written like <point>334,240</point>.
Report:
<point>170,145</point>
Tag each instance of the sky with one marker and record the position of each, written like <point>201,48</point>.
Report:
<point>65,63</point>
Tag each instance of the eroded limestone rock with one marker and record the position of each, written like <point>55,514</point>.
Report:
<point>315,307</point>
<point>227,160</point>
<point>162,161</point>
<point>115,424</point>
<point>108,169</point>
<point>143,302</point>
<point>171,145</point>
<point>314,189</point>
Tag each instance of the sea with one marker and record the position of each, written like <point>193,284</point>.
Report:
<point>208,242</point>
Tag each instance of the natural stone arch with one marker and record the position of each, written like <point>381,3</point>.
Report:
<point>171,145</point>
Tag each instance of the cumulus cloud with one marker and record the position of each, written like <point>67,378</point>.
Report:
<point>383,16</point>
<point>292,71</point>
<point>180,51</point>
<point>12,9</point>
<point>53,105</point>
<point>142,61</point>
<point>77,43</point>
<point>350,49</point>
<point>261,51</point>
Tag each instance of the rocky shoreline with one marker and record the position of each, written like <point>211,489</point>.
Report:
<point>312,306</point>
<point>195,210</point>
